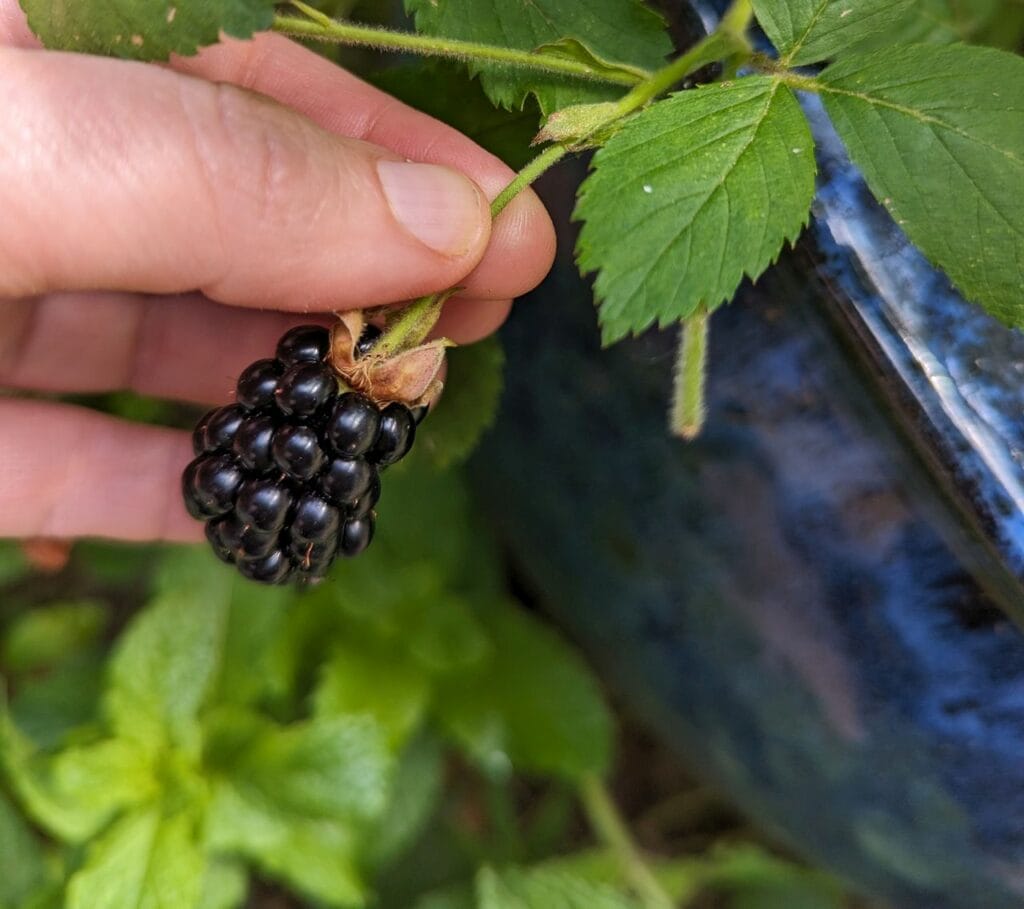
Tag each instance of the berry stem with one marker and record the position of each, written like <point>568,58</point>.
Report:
<point>536,167</point>
<point>688,406</point>
<point>320,27</point>
<point>610,828</point>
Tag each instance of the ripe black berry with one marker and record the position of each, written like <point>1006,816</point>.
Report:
<point>243,540</point>
<point>263,504</point>
<point>305,388</point>
<point>296,450</point>
<point>209,485</point>
<point>356,535</point>
<point>353,425</point>
<point>367,502</point>
<point>314,520</point>
<point>345,480</point>
<point>271,569</point>
<point>217,430</point>
<point>256,385</point>
<point>304,344</point>
<point>253,441</point>
<point>287,478</point>
<point>397,433</point>
<point>367,340</point>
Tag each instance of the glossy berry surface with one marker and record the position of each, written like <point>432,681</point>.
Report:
<point>368,340</point>
<point>305,389</point>
<point>304,344</point>
<point>296,450</point>
<point>353,425</point>
<point>287,478</point>
<point>396,435</point>
<point>253,441</point>
<point>257,384</point>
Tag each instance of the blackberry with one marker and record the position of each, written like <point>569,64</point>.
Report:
<point>287,478</point>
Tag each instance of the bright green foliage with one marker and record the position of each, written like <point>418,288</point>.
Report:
<point>516,889</point>
<point>939,135</point>
<point>471,397</point>
<point>225,886</point>
<point>145,860</point>
<point>616,31</point>
<point>806,31</point>
<point>165,663</point>
<point>144,29</point>
<point>374,680</point>
<point>692,195</point>
<point>532,706</point>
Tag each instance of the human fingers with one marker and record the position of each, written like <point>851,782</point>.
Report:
<point>130,177</point>
<point>69,472</point>
<point>522,244</point>
<point>185,347</point>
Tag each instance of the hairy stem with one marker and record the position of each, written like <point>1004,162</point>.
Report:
<point>688,407</point>
<point>322,28</point>
<point>547,158</point>
<point>610,828</point>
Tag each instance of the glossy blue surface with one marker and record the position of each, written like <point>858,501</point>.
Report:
<point>812,601</point>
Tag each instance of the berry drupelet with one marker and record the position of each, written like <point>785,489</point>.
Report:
<point>287,477</point>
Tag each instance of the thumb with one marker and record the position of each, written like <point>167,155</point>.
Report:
<point>132,177</point>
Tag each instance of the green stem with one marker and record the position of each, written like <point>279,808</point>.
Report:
<point>729,39</point>
<point>322,28</point>
<point>688,407</point>
<point>547,158</point>
<point>610,828</point>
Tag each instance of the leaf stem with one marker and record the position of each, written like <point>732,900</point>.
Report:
<point>688,405</point>
<point>322,28</point>
<point>610,828</point>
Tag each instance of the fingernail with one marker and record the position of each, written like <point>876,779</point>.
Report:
<point>438,206</point>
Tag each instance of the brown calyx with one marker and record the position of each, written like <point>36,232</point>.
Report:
<point>410,377</point>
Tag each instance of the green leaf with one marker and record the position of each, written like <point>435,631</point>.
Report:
<point>144,861</point>
<point>23,868</point>
<point>50,634</point>
<point>414,796</point>
<point>77,791</point>
<point>469,404</point>
<point>513,888</point>
<point>690,196</point>
<point>166,660</point>
<point>317,857</point>
<point>806,31</point>
<point>577,51</point>
<point>330,768</point>
<point>47,709</point>
<point>254,665</point>
<point>533,706</point>
<point>755,879</point>
<point>144,29</point>
<point>225,886</point>
<point>446,92</point>
<point>613,31</point>
<point>939,135</point>
<point>13,565</point>
<point>375,681</point>
<point>946,21</point>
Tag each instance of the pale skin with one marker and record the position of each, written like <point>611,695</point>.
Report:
<point>161,226</point>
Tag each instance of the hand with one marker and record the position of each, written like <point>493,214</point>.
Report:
<point>151,216</point>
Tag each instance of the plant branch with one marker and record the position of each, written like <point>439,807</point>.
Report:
<point>610,828</point>
<point>322,28</point>
<point>536,167</point>
<point>729,39</point>
<point>688,407</point>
